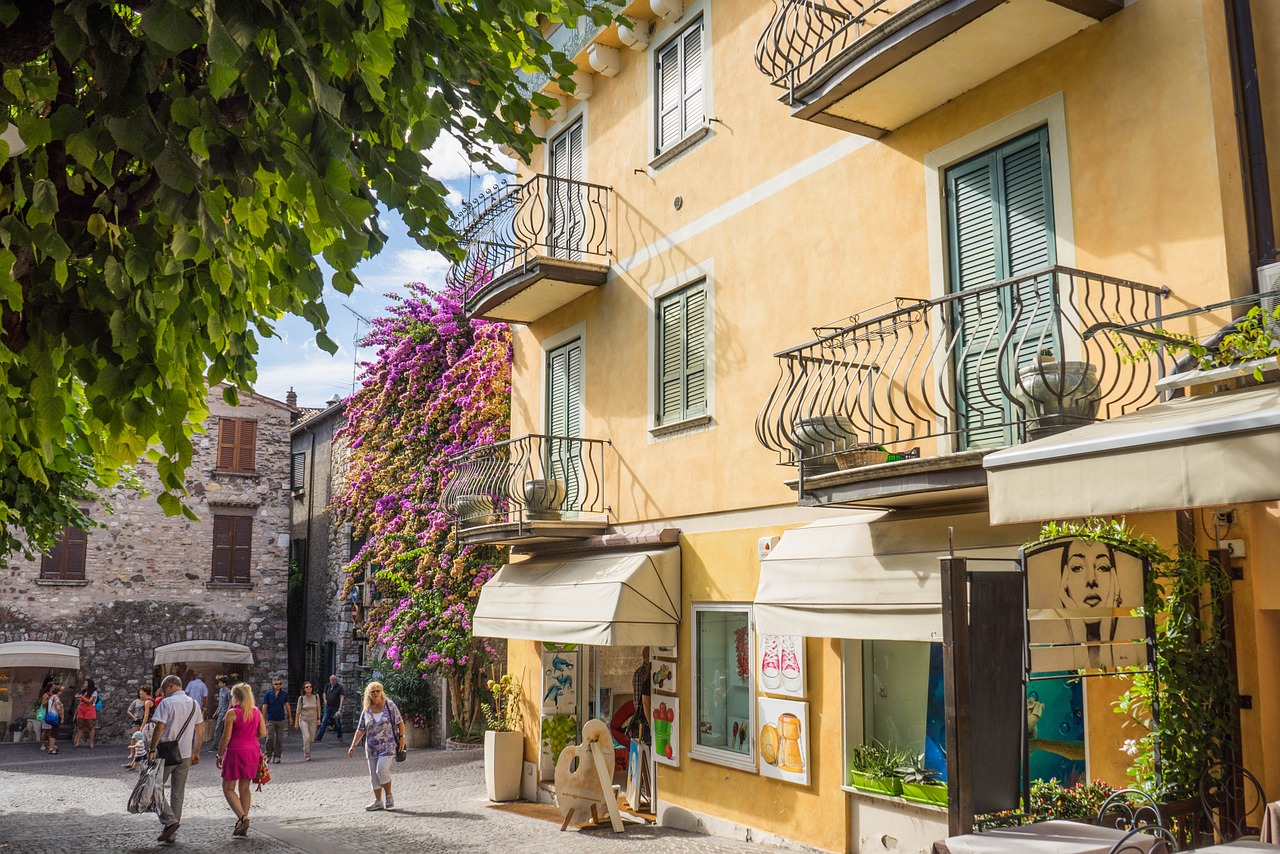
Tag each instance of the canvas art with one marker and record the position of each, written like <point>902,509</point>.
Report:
<point>666,730</point>
<point>1080,600</point>
<point>662,676</point>
<point>783,739</point>
<point>559,682</point>
<point>782,665</point>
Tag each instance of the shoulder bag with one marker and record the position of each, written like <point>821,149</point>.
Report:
<point>167,751</point>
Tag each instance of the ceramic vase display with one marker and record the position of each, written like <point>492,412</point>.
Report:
<point>503,755</point>
<point>1058,396</point>
<point>544,498</point>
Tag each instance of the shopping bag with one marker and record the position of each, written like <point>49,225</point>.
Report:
<point>148,792</point>
<point>264,773</point>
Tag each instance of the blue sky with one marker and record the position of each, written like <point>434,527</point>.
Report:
<point>292,359</point>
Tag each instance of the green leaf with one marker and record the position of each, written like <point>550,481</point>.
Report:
<point>176,170</point>
<point>44,195</point>
<point>30,466</point>
<point>171,27</point>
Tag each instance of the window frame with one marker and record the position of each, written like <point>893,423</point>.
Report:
<point>701,21</point>
<point>663,430</point>
<point>685,410</point>
<point>695,750</point>
<point>238,446</point>
<point>235,520</point>
<point>298,471</point>
<point>58,557</point>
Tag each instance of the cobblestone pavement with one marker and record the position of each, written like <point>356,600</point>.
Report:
<point>75,802</point>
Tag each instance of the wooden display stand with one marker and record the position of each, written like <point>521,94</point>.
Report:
<point>589,786</point>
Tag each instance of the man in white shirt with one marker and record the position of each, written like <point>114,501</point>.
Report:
<point>199,691</point>
<point>177,719</point>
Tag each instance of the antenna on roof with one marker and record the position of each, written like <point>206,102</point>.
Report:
<point>355,345</point>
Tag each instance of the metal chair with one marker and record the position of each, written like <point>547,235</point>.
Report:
<point>1130,809</point>
<point>1132,843</point>
<point>1232,800</point>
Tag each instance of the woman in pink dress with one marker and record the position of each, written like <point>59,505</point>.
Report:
<point>239,753</point>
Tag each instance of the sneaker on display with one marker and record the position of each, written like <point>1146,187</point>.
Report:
<point>792,678</point>
<point>771,662</point>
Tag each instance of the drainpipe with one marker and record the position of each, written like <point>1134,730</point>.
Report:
<point>1249,131</point>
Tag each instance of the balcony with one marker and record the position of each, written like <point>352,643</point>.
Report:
<point>534,489</point>
<point>532,248</point>
<point>871,66</point>
<point>897,406</point>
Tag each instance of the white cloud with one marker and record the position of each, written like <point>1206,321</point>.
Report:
<point>391,272</point>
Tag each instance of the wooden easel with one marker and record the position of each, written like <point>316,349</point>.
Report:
<point>574,797</point>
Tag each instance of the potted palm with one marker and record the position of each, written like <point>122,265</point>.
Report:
<point>503,740</point>
<point>873,767</point>
<point>922,785</point>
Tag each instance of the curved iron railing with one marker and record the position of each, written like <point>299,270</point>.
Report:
<point>804,35</point>
<point>513,226</point>
<point>528,479</point>
<point>980,368</point>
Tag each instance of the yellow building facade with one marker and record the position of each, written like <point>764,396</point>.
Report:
<point>704,261</point>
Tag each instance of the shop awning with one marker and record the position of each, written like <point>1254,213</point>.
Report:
<point>608,598</point>
<point>39,654</point>
<point>872,576</point>
<point>1191,452</point>
<point>203,651</point>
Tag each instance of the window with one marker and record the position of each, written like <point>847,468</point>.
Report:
<point>298,471</point>
<point>724,684</point>
<point>894,696</point>
<point>232,548</point>
<point>65,561</point>
<point>682,354</point>
<point>564,419</point>
<point>680,86</point>
<point>237,444</point>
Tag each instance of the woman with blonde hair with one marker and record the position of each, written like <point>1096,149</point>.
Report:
<point>382,728</point>
<point>239,753</point>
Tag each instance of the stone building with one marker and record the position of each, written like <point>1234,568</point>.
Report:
<point>148,594</point>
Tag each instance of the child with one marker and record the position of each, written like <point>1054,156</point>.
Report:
<point>137,750</point>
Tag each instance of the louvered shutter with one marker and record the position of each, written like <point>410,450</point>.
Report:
<point>669,100</point>
<point>671,361</point>
<point>75,547</point>
<point>692,79</point>
<point>695,356</point>
<point>298,471</point>
<point>682,355</point>
<point>567,203</point>
<point>222,545</point>
<point>999,225</point>
<point>227,429</point>
<point>564,419</point>
<point>241,548</point>
<point>247,446</point>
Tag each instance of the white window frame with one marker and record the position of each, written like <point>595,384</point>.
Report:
<point>698,14</point>
<point>704,271</point>
<point>741,761</point>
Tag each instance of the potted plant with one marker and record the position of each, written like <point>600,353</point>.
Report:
<point>503,740</point>
<point>922,785</point>
<point>1057,394</point>
<point>544,498</point>
<point>873,768</point>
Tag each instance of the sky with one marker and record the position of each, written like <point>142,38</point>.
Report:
<point>292,359</point>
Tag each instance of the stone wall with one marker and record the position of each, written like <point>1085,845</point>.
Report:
<point>148,576</point>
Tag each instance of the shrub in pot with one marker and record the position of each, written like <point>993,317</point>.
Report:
<point>873,768</point>
<point>503,740</point>
<point>922,785</point>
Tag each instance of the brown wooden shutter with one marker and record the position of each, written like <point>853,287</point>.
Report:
<point>66,560</point>
<point>227,429</point>
<point>222,540</point>
<point>247,445</point>
<point>241,549</point>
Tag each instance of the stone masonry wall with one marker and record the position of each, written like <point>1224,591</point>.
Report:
<point>148,576</point>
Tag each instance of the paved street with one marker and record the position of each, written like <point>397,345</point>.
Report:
<point>75,802</point>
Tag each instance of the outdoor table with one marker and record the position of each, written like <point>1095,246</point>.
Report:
<point>1046,837</point>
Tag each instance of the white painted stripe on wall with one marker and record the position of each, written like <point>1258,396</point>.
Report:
<point>784,179</point>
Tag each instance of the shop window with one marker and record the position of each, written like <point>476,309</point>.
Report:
<point>237,445</point>
<point>894,696</point>
<point>724,684</point>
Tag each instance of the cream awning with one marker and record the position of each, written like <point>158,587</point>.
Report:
<point>608,598</point>
<point>203,651</point>
<point>1191,452</point>
<point>39,654</point>
<point>873,576</point>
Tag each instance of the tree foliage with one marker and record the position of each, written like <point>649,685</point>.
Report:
<point>171,172</point>
<point>439,385</point>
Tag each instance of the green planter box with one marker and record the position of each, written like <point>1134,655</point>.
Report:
<point>877,785</point>
<point>934,794</point>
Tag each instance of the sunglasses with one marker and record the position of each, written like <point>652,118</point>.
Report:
<point>375,691</point>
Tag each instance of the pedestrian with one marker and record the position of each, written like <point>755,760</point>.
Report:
<point>53,714</point>
<point>239,753</point>
<point>140,709</point>
<point>137,750</point>
<point>642,697</point>
<point>177,720</point>
<point>279,714</point>
<point>86,714</point>
<point>224,705</point>
<point>308,717</point>
<point>382,729</point>
<point>197,690</point>
<point>334,696</point>
<point>45,689</point>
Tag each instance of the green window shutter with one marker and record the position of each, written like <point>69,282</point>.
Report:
<point>567,203</point>
<point>682,354</point>
<point>999,211</point>
<point>563,460</point>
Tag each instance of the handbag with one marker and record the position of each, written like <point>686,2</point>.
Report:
<point>148,792</point>
<point>167,751</point>
<point>401,755</point>
<point>264,772</point>
<point>41,713</point>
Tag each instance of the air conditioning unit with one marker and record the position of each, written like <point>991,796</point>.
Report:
<point>1269,286</point>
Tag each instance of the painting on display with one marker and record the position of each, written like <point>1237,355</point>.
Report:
<point>1081,595</point>
<point>666,730</point>
<point>662,676</point>
<point>783,739</point>
<point>668,652</point>
<point>559,681</point>
<point>782,665</point>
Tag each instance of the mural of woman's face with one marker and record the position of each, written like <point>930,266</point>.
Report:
<point>1089,578</point>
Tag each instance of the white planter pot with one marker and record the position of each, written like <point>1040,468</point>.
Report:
<point>503,760</point>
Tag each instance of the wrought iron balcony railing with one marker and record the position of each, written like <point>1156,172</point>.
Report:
<point>986,367</point>
<point>804,35</point>
<point>515,226</point>
<point>531,479</point>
